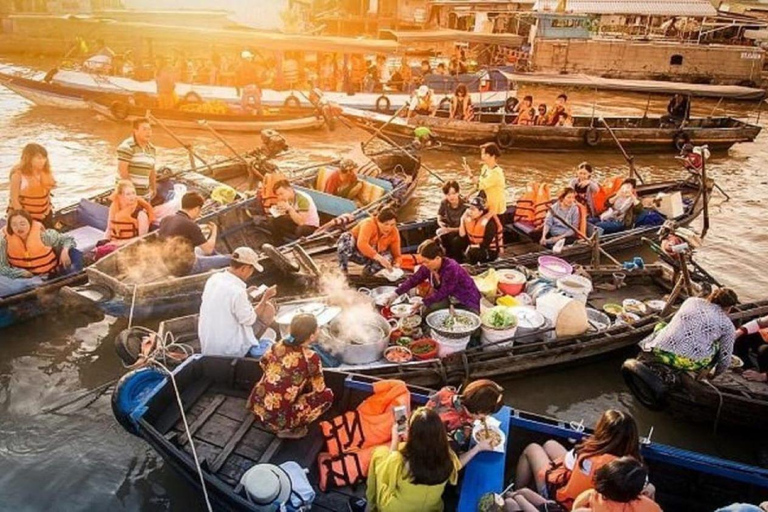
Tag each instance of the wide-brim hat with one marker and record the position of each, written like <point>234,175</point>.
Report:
<point>422,91</point>
<point>267,486</point>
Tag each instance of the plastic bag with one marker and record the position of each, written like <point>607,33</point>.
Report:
<point>487,283</point>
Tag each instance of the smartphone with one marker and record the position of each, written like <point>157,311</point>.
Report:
<point>258,292</point>
<point>464,160</point>
<point>401,418</point>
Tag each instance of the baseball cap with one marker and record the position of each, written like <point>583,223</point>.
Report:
<point>247,256</point>
<point>478,202</point>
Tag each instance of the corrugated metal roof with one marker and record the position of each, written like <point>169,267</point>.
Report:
<point>694,8</point>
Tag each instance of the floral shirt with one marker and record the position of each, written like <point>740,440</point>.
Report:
<point>291,393</point>
<point>457,420</point>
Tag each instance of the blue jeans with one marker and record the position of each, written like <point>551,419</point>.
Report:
<point>205,263</point>
<point>610,226</point>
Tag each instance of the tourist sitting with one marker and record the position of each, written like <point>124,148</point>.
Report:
<point>412,475</point>
<point>678,111</point>
<point>458,411</point>
<point>31,182</point>
<point>130,216</point>
<point>292,392</point>
<point>699,336</point>
<point>373,243</point>
<point>752,337</point>
<point>566,120</point>
<point>449,216</point>
<point>344,181</point>
<point>541,116</point>
<point>563,475</point>
<point>28,249</point>
<point>622,209</point>
<point>527,114</point>
<point>298,214</point>
<point>421,102</point>
<point>184,241</point>
<point>562,220</point>
<point>480,233</point>
<point>585,188</point>
<point>461,104</point>
<point>450,283</point>
<point>619,485</point>
<point>559,111</point>
<point>228,324</point>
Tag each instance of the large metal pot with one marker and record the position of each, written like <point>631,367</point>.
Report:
<point>378,294</point>
<point>367,350</point>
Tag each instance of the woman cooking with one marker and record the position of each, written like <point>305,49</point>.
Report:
<point>450,283</point>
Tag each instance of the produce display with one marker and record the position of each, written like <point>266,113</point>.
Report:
<point>499,317</point>
<point>208,107</point>
<point>458,322</point>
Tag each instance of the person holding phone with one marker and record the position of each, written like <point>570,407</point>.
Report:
<point>491,181</point>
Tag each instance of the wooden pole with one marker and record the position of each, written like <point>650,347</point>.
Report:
<point>630,159</point>
<point>180,142</point>
<point>581,235</point>
<point>381,128</point>
<point>250,170</point>
<point>704,195</point>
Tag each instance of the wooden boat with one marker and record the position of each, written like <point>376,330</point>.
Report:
<point>115,287</point>
<point>86,222</point>
<point>228,441</point>
<point>230,119</point>
<point>728,399</point>
<point>587,133</point>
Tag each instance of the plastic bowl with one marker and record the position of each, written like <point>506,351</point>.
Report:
<point>389,354</point>
<point>554,268</point>
<point>511,282</point>
<point>426,354</point>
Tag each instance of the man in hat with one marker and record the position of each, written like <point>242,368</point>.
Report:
<point>344,181</point>
<point>421,102</point>
<point>229,324</point>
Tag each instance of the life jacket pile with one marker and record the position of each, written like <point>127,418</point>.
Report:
<point>268,196</point>
<point>33,256</point>
<point>35,196</point>
<point>565,485</point>
<point>124,223</point>
<point>352,437</point>
<point>533,205</point>
<point>476,231</point>
<point>609,187</point>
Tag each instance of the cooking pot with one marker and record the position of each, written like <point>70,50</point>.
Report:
<point>321,311</point>
<point>378,294</point>
<point>363,351</point>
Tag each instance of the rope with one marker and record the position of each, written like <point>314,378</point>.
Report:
<point>166,348</point>
<point>719,406</point>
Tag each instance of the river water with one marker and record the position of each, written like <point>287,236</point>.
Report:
<point>85,461</point>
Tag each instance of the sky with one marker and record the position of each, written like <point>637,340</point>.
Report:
<point>258,13</point>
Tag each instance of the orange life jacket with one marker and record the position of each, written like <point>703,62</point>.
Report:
<point>526,117</point>
<point>533,205</point>
<point>351,437</point>
<point>609,187</point>
<point>33,255</point>
<point>410,261</point>
<point>568,484</point>
<point>35,195</point>
<point>124,223</point>
<point>268,196</point>
<point>476,231</point>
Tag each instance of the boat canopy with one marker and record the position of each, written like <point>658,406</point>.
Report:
<point>450,36</point>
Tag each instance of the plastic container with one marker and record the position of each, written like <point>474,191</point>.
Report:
<point>447,346</point>
<point>495,337</point>
<point>511,282</point>
<point>529,322</point>
<point>554,268</point>
<point>423,356</point>
<point>450,341</point>
<point>577,287</point>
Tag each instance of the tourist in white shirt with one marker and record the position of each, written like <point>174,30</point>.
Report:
<point>229,323</point>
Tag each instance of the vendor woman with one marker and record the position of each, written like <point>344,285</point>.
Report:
<point>450,283</point>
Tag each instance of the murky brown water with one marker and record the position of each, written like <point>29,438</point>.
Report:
<point>86,462</point>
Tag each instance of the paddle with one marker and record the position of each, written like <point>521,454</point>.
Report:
<point>584,237</point>
<point>180,142</point>
<point>251,170</point>
<point>423,165</point>
<point>630,159</point>
<point>380,129</point>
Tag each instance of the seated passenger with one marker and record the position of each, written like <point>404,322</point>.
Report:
<point>527,115</point>
<point>299,214</point>
<point>699,336</point>
<point>229,324</point>
<point>31,182</point>
<point>129,215</point>
<point>450,283</point>
<point>619,485</point>
<point>566,120</point>
<point>751,338</point>
<point>373,243</point>
<point>561,220</point>
<point>292,392</point>
<point>559,111</point>
<point>585,187</point>
<point>480,233</point>
<point>449,216</point>
<point>541,115</point>
<point>412,475</point>
<point>28,249</point>
<point>458,411</point>
<point>563,475</point>
<point>344,181</point>
<point>185,244</point>
<point>461,104</point>
<point>620,214</point>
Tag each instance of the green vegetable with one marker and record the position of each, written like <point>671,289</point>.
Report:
<point>499,317</point>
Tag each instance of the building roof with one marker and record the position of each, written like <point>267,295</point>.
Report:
<point>693,8</point>
<point>450,36</point>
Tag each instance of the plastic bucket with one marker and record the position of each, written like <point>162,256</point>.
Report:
<point>577,287</point>
<point>489,336</point>
<point>447,346</point>
<point>511,282</point>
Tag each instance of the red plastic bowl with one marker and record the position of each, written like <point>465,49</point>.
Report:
<point>431,354</point>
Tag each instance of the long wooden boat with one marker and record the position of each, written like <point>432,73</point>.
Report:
<point>228,440</point>
<point>86,222</point>
<point>728,399</point>
<point>639,134</point>
<point>281,119</point>
<point>118,290</point>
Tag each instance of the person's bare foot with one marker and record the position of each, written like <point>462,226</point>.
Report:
<point>755,376</point>
<point>293,434</point>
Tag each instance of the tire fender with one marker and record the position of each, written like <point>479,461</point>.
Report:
<point>192,97</point>
<point>646,385</point>
<point>292,102</point>
<point>592,137</point>
<point>119,109</point>
<point>680,139</point>
<point>383,104</point>
<point>504,139</point>
<point>445,104</point>
<point>130,393</point>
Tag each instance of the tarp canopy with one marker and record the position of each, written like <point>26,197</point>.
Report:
<point>450,36</point>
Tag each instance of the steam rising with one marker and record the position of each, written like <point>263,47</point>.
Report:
<point>147,262</point>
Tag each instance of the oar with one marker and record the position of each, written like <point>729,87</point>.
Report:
<point>180,142</point>
<point>251,170</point>
<point>90,392</point>
<point>583,236</point>
<point>408,153</point>
<point>380,129</point>
<point>630,159</point>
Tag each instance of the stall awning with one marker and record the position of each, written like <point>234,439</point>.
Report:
<point>449,36</point>
<point>692,8</point>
